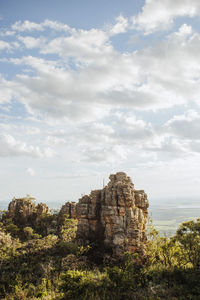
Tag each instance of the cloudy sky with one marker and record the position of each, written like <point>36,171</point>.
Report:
<point>88,88</point>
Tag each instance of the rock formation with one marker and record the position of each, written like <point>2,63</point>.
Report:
<point>69,209</point>
<point>24,212</point>
<point>41,209</point>
<point>114,216</point>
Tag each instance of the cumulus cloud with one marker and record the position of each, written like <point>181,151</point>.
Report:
<point>178,136</point>
<point>89,79</point>
<point>112,141</point>
<point>172,68</point>
<point>93,133</point>
<point>195,146</point>
<point>9,147</point>
<point>120,26</point>
<point>6,91</point>
<point>31,42</point>
<point>130,130</point>
<point>82,45</point>
<point>30,171</point>
<point>167,144</point>
<point>186,126</point>
<point>76,94</point>
<point>33,130</point>
<point>98,154</point>
<point>5,33</point>
<point>157,15</point>
<point>31,26</point>
<point>154,78</point>
<point>4,45</point>
<point>54,141</point>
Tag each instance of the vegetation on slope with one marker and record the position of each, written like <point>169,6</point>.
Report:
<point>45,262</point>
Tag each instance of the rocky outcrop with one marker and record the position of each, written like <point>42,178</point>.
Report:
<point>24,212</point>
<point>41,209</point>
<point>21,210</point>
<point>115,216</point>
<point>69,209</point>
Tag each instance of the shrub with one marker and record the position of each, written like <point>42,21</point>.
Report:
<point>83,285</point>
<point>188,237</point>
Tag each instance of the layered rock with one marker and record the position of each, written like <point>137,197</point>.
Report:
<point>115,216</point>
<point>21,210</point>
<point>41,209</point>
<point>69,209</point>
<point>24,212</point>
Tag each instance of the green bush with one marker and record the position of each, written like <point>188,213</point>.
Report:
<point>83,285</point>
<point>54,266</point>
<point>188,237</point>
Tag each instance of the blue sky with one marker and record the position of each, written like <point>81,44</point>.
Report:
<point>84,14</point>
<point>88,88</point>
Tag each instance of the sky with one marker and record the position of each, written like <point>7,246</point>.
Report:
<point>89,88</point>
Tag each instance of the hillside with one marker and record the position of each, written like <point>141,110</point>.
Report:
<point>100,248</point>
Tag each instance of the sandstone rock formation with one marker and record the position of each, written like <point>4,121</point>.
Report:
<point>115,216</point>
<point>69,209</point>
<point>24,212</point>
<point>41,209</point>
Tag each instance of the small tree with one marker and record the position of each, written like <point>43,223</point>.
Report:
<point>188,236</point>
<point>12,229</point>
<point>163,251</point>
<point>68,229</point>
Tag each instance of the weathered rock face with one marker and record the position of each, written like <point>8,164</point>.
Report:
<point>116,216</point>
<point>41,209</point>
<point>23,211</point>
<point>69,209</point>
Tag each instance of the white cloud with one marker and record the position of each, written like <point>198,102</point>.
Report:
<point>99,142</point>
<point>4,45</point>
<point>166,144</point>
<point>103,154</point>
<point>31,42</point>
<point>7,33</point>
<point>31,26</point>
<point>185,30</point>
<point>26,26</point>
<point>30,171</point>
<point>56,25</point>
<point>101,78</point>
<point>120,26</point>
<point>85,46</point>
<point>92,104</point>
<point>186,126</point>
<point>195,146</point>
<point>32,130</point>
<point>9,147</point>
<point>6,92</point>
<point>158,15</point>
<point>54,141</point>
<point>130,130</point>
